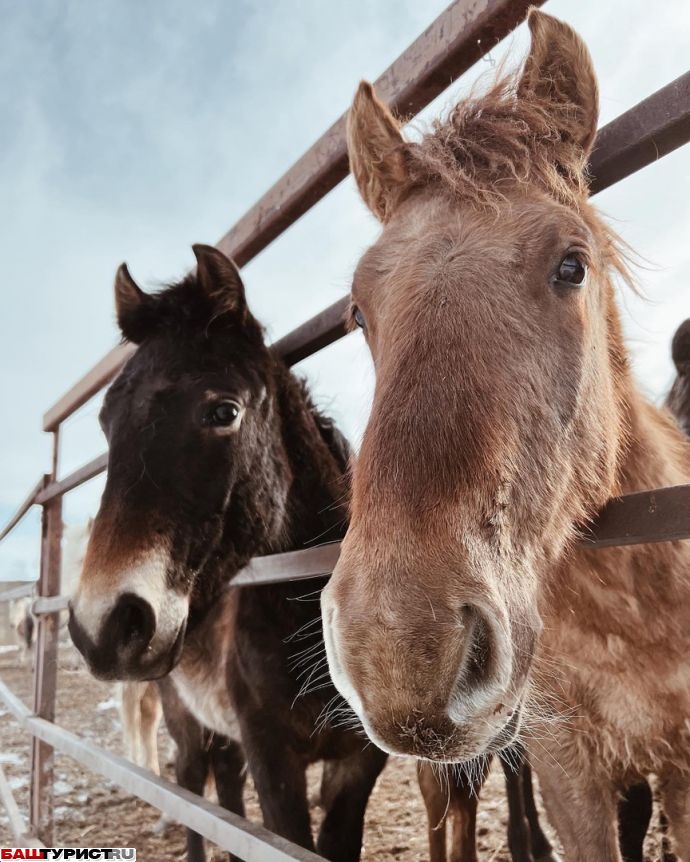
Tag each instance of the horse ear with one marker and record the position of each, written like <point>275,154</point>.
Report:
<point>219,279</point>
<point>376,148</point>
<point>680,348</point>
<point>132,307</point>
<point>559,69</point>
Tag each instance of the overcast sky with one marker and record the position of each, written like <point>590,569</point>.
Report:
<point>131,130</point>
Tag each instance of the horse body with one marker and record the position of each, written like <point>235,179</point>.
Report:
<point>504,417</point>
<point>200,677</point>
<point>217,455</point>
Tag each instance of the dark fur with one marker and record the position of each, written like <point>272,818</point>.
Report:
<point>218,500</point>
<point>202,755</point>
<point>678,400</point>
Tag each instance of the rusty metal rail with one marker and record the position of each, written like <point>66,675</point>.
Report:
<point>459,37</point>
<point>662,515</point>
<point>644,134</point>
<point>247,840</point>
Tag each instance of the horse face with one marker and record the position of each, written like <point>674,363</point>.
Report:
<point>192,449</point>
<point>496,423</point>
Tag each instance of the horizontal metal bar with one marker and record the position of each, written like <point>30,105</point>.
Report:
<point>460,35</point>
<point>91,383</point>
<point>18,826</point>
<point>49,605</point>
<point>73,480</point>
<point>646,133</point>
<point>247,840</point>
<point>294,565</point>
<point>15,593</point>
<point>24,508</point>
<point>662,515</point>
<point>317,332</point>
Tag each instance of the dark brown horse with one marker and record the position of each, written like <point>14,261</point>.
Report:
<point>678,400</point>
<point>504,417</point>
<point>216,456</point>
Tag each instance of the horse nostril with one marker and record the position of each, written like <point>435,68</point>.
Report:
<point>133,622</point>
<point>479,657</point>
<point>482,671</point>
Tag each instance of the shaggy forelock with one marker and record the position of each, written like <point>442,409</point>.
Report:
<point>490,143</point>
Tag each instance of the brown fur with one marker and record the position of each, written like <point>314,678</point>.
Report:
<point>504,416</point>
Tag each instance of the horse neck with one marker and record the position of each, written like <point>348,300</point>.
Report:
<point>314,511</point>
<point>657,454</point>
<point>633,580</point>
<point>317,500</point>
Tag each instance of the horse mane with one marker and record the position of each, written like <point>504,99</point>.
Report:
<point>336,442</point>
<point>506,137</point>
<point>490,142</point>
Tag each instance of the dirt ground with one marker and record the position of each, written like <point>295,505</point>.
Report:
<point>92,811</point>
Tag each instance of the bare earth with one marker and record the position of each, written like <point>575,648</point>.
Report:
<point>91,811</point>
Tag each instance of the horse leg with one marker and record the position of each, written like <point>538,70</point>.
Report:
<point>519,833</point>
<point>131,719</point>
<point>580,805</point>
<point>667,854</point>
<point>634,815</point>
<point>279,775</point>
<point>675,798</point>
<point>464,787</point>
<point>192,760</point>
<point>230,773</point>
<point>151,714</point>
<point>541,846</point>
<point>345,795</point>
<point>436,801</point>
<point>191,772</point>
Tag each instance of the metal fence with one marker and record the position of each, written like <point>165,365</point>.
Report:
<point>462,34</point>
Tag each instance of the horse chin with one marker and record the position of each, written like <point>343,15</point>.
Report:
<point>165,662</point>
<point>471,749</point>
<point>508,734</point>
<point>106,667</point>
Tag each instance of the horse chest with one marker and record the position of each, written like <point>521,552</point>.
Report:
<point>631,700</point>
<point>206,696</point>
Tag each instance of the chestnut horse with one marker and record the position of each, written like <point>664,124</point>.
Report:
<point>462,612</point>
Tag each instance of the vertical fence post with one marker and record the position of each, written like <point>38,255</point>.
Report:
<point>46,662</point>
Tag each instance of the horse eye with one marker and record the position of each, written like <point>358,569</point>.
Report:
<point>358,317</point>
<point>571,270</point>
<point>222,414</point>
